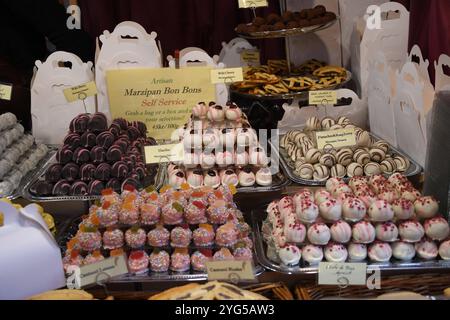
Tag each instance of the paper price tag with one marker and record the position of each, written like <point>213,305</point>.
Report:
<point>229,75</point>
<point>81,92</point>
<point>164,153</point>
<point>253,3</point>
<point>103,270</point>
<point>317,98</point>
<point>336,139</point>
<point>5,91</point>
<point>342,274</point>
<point>251,57</point>
<point>233,271</point>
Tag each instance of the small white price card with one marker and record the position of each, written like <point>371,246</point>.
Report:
<point>234,271</point>
<point>164,153</point>
<point>5,91</point>
<point>253,3</point>
<point>81,92</point>
<point>342,274</point>
<point>251,57</point>
<point>336,139</point>
<point>229,75</point>
<point>104,270</point>
<point>322,97</point>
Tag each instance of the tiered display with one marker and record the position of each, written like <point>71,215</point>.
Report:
<point>274,79</point>
<point>172,231</point>
<point>369,157</point>
<point>375,219</point>
<point>96,156</point>
<point>221,149</point>
<point>18,154</point>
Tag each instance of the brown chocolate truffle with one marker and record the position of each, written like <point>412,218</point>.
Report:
<point>252,29</point>
<point>303,23</point>
<point>279,26</point>
<point>292,25</point>
<point>273,18</point>
<point>329,16</point>
<point>242,28</point>
<point>316,21</point>
<point>259,21</point>
<point>310,14</point>
<point>287,16</point>
<point>303,14</point>
<point>320,10</point>
<point>265,27</point>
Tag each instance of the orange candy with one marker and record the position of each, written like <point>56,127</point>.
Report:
<point>154,197</point>
<point>185,187</point>
<point>107,192</point>
<point>116,253</point>
<point>165,189</point>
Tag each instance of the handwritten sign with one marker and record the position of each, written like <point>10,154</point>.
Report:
<point>233,271</point>
<point>317,98</point>
<point>163,154</point>
<point>342,274</point>
<point>229,75</point>
<point>161,98</point>
<point>253,3</point>
<point>5,91</point>
<point>336,138</point>
<point>104,270</point>
<point>81,92</point>
<point>251,57</point>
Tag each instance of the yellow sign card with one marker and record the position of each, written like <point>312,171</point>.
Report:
<point>342,274</point>
<point>229,75</point>
<point>164,153</point>
<point>251,57</point>
<point>233,271</point>
<point>253,3</point>
<point>81,92</point>
<point>317,98</point>
<point>336,139</point>
<point>161,98</point>
<point>5,91</point>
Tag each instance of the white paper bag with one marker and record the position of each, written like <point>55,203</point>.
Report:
<point>50,112</point>
<point>30,259</point>
<point>231,52</point>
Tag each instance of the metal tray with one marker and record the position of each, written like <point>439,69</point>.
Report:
<point>28,178</point>
<point>286,163</point>
<point>304,268</point>
<point>27,194</point>
<point>287,32</point>
<point>70,227</point>
<point>301,95</point>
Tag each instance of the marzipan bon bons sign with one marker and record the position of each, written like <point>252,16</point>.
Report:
<point>162,98</point>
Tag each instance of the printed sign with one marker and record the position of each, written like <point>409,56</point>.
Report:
<point>164,153</point>
<point>233,271</point>
<point>336,139</point>
<point>317,98</point>
<point>229,75</point>
<point>251,57</point>
<point>81,92</point>
<point>342,274</point>
<point>5,91</point>
<point>253,3</point>
<point>161,98</point>
<point>103,270</point>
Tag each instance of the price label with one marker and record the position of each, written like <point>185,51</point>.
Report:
<point>342,274</point>
<point>233,271</point>
<point>5,91</point>
<point>253,3</point>
<point>81,92</point>
<point>229,75</point>
<point>251,58</point>
<point>317,98</point>
<point>164,153</point>
<point>336,139</point>
<point>102,271</point>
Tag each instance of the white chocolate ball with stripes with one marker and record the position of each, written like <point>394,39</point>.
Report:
<point>377,154</point>
<point>327,123</point>
<point>343,121</point>
<point>355,169</point>
<point>361,156</point>
<point>338,171</point>
<point>402,163</point>
<point>426,207</point>
<point>321,172</point>
<point>341,232</point>
<point>299,162</point>
<point>372,168</point>
<point>336,127</point>
<point>328,160</point>
<point>313,156</point>
<point>305,171</point>
<point>335,252</point>
<point>388,166</point>
<point>344,156</point>
<point>383,145</point>
<point>313,124</point>
<point>362,138</point>
<point>380,252</point>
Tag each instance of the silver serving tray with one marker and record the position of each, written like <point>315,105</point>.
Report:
<point>304,268</point>
<point>287,164</point>
<point>287,32</point>
<point>69,229</point>
<point>27,194</point>
<point>301,95</point>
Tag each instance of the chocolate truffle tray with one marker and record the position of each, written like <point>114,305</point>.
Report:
<point>154,178</point>
<point>286,32</point>
<point>70,228</point>
<point>289,166</point>
<point>267,256</point>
